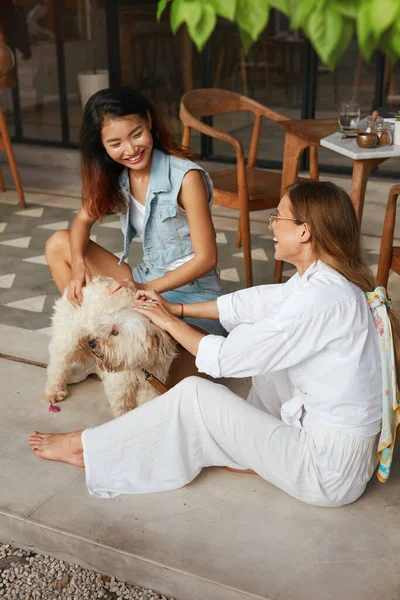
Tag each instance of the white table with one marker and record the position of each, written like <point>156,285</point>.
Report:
<point>348,147</point>
<point>365,159</point>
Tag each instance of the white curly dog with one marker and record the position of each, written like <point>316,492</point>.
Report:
<point>122,341</point>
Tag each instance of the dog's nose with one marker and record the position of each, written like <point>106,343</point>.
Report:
<point>92,344</point>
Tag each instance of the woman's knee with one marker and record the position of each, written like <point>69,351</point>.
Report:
<point>57,244</point>
<point>194,385</point>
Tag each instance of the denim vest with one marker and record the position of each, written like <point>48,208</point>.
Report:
<point>166,234</point>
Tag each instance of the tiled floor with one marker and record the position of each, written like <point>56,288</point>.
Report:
<point>27,291</point>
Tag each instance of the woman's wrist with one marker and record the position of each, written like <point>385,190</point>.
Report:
<point>177,309</point>
<point>172,324</point>
<point>78,262</point>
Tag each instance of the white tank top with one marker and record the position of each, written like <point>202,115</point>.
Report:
<point>137,212</point>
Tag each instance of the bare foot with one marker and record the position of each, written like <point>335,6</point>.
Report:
<point>63,447</point>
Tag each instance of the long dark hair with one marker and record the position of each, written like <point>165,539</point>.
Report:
<point>101,194</point>
<point>335,232</point>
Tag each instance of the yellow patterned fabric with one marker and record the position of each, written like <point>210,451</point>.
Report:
<point>379,303</point>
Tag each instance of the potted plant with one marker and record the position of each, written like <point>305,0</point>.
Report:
<point>93,79</point>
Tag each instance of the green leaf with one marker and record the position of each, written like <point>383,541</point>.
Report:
<point>161,6</point>
<point>299,11</point>
<point>343,44</point>
<point>189,11</point>
<point>324,29</point>
<point>281,5</point>
<point>365,34</point>
<point>246,39</point>
<point>347,8</point>
<point>201,31</point>
<point>383,13</point>
<point>224,8</point>
<point>395,41</point>
<point>252,16</point>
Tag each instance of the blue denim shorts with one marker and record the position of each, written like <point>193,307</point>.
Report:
<point>203,289</point>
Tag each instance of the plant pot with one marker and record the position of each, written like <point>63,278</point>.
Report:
<point>90,83</point>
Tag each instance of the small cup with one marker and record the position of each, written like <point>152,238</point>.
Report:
<point>349,116</point>
<point>367,140</point>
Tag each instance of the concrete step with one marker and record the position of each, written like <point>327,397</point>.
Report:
<point>226,536</point>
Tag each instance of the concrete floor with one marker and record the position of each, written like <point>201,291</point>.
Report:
<point>225,536</point>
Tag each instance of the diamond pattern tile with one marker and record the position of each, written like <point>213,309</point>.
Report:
<point>31,212</point>
<point>33,304</point>
<point>229,275</point>
<point>221,238</point>
<point>256,254</point>
<point>18,243</point>
<point>55,226</point>
<point>38,260</point>
<point>6,281</point>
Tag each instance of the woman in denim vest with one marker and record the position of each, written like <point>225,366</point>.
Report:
<point>132,166</point>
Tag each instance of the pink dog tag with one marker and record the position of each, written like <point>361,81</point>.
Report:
<point>53,408</point>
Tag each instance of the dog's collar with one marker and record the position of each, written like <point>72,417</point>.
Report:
<point>156,383</point>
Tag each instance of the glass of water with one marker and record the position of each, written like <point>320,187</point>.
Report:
<point>349,116</point>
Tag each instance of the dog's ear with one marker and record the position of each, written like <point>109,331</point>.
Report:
<point>161,346</point>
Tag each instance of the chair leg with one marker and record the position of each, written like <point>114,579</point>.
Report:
<point>239,236</point>
<point>244,224</point>
<point>2,183</point>
<point>314,168</point>
<point>247,256</point>
<point>11,157</point>
<point>278,270</point>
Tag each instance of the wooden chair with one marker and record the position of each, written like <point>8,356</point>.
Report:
<point>244,188</point>
<point>5,144</point>
<point>7,81</point>
<point>389,255</point>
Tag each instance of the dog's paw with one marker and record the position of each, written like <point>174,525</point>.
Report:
<point>55,396</point>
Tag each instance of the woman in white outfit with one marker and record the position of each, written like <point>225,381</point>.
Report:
<point>312,420</point>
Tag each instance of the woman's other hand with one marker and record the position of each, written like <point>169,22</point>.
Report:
<point>154,309</point>
<point>80,276</point>
<point>143,295</point>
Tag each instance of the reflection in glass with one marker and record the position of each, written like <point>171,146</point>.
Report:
<point>161,65</point>
<point>271,73</point>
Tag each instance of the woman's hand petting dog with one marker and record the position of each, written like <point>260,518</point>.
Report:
<point>118,284</point>
<point>81,276</point>
<point>154,307</point>
<point>142,295</point>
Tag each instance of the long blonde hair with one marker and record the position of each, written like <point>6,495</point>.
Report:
<point>335,237</point>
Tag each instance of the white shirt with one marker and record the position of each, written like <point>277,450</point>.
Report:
<point>137,214</point>
<point>315,337</point>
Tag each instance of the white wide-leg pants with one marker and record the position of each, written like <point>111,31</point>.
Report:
<point>164,444</point>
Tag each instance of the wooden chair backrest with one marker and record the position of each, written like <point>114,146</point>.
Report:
<point>385,254</point>
<point>207,102</point>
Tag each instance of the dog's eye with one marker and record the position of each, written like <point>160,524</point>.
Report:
<point>115,332</point>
